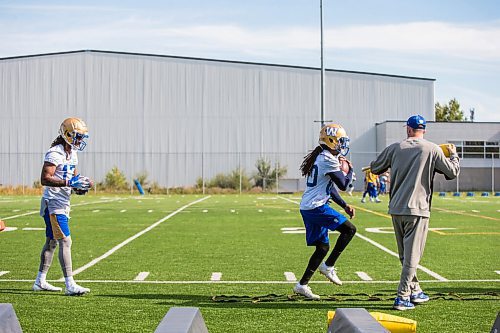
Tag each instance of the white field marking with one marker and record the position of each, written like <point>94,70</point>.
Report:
<point>270,198</point>
<point>9,229</point>
<point>233,211</point>
<point>15,210</point>
<point>498,272</point>
<point>216,276</point>
<point>260,210</point>
<point>150,211</point>
<point>363,276</point>
<point>288,210</point>
<point>141,276</point>
<point>459,212</point>
<point>128,240</point>
<point>293,228</point>
<point>205,211</point>
<point>4,272</point>
<point>383,248</point>
<point>475,211</point>
<point>390,230</point>
<point>96,211</point>
<point>38,211</point>
<point>289,276</point>
<point>294,232</point>
<point>123,211</point>
<point>381,230</point>
<point>255,282</point>
<point>33,229</point>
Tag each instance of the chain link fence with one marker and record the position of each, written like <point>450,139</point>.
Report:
<point>239,170</point>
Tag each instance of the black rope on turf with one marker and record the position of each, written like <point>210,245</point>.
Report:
<point>377,297</point>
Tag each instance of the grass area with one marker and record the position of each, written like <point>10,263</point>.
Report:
<point>242,238</point>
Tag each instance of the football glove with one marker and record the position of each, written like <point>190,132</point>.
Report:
<point>79,182</point>
<point>78,191</point>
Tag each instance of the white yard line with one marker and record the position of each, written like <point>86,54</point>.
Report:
<point>76,205</point>
<point>4,272</point>
<point>498,272</point>
<point>128,240</point>
<point>34,229</point>
<point>141,276</point>
<point>255,282</point>
<point>289,276</point>
<point>363,276</point>
<point>383,248</point>
<point>216,276</point>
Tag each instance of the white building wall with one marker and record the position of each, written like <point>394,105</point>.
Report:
<point>180,118</point>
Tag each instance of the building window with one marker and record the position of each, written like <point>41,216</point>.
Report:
<point>477,149</point>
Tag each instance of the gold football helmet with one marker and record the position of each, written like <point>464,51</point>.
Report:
<point>75,132</point>
<point>335,137</point>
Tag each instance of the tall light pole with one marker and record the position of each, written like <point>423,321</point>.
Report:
<point>322,67</point>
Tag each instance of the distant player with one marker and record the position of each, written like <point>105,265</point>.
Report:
<point>322,169</point>
<point>350,187</point>
<point>371,184</point>
<point>60,177</point>
<point>383,181</point>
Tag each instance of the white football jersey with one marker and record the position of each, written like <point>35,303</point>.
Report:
<point>57,198</point>
<point>318,182</point>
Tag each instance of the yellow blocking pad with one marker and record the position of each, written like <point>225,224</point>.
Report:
<point>394,324</point>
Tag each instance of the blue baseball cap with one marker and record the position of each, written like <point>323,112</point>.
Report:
<point>416,122</point>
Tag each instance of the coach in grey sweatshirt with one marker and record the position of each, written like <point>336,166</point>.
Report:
<point>413,163</point>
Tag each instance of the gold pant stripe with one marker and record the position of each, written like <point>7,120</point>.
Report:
<point>56,229</point>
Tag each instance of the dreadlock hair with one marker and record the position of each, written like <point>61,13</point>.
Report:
<point>58,141</point>
<point>309,160</point>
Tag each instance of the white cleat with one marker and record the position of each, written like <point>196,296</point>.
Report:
<point>363,200</point>
<point>330,273</point>
<point>45,286</point>
<point>305,291</point>
<point>76,290</point>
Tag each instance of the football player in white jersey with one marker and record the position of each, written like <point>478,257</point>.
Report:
<point>322,169</point>
<point>60,178</point>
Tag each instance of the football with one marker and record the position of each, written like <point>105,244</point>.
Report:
<point>344,166</point>
<point>445,148</point>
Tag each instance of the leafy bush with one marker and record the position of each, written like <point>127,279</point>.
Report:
<point>227,181</point>
<point>142,177</point>
<point>114,180</point>
<point>265,177</point>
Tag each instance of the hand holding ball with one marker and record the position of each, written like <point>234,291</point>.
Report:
<point>345,165</point>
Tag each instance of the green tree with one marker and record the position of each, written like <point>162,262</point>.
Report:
<point>449,112</point>
<point>266,175</point>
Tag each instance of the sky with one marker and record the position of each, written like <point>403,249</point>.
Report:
<point>456,42</point>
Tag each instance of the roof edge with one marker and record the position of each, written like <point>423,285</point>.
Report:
<point>216,60</point>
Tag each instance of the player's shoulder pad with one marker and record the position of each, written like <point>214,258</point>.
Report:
<point>330,159</point>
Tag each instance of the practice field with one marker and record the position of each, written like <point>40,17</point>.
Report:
<point>236,258</point>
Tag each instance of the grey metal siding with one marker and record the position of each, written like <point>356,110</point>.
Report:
<point>181,118</point>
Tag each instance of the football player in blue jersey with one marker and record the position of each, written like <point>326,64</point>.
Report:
<point>60,177</point>
<point>323,172</point>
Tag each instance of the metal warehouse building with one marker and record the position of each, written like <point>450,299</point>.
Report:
<point>180,118</point>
